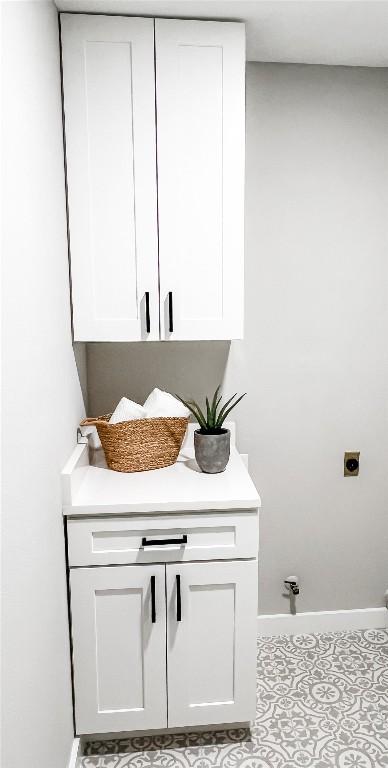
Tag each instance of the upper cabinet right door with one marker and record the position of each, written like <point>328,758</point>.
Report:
<point>200,99</point>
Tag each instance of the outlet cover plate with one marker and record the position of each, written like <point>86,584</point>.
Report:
<point>355,455</point>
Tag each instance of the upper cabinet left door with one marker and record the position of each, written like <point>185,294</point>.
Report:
<point>109,104</point>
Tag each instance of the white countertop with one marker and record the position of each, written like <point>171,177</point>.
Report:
<point>91,490</point>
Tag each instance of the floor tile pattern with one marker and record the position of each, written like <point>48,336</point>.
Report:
<point>322,702</point>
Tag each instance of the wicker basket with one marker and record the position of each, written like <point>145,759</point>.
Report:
<point>141,444</point>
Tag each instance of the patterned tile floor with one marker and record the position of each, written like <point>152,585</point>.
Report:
<point>322,702</point>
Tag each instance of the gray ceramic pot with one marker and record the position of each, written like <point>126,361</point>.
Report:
<point>212,451</point>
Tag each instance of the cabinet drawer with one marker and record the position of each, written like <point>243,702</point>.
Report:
<point>162,539</point>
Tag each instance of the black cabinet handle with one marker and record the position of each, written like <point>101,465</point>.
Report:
<point>178,599</point>
<point>162,542</point>
<point>170,313</point>
<point>147,311</point>
<point>153,600</point>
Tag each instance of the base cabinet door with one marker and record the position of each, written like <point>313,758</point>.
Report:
<point>211,642</point>
<point>119,640</point>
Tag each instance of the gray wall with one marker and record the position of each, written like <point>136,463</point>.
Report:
<point>314,358</point>
<point>42,399</point>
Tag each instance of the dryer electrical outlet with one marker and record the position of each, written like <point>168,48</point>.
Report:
<point>351,463</point>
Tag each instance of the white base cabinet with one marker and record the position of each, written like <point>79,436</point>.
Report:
<point>163,645</point>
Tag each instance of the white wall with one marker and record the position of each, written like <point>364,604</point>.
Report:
<point>42,401</point>
<point>315,356</point>
<point>314,360</point>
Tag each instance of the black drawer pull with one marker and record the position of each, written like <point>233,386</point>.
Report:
<point>170,313</point>
<point>153,600</point>
<point>147,311</point>
<point>162,542</point>
<point>178,599</point>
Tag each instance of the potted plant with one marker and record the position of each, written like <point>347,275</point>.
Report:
<point>211,440</point>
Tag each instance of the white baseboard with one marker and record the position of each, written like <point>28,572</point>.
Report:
<point>322,621</point>
<point>75,753</point>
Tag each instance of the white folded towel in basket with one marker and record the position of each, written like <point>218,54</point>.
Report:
<point>161,403</point>
<point>127,410</point>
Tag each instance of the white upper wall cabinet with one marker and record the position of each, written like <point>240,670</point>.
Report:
<point>155,167</point>
<point>109,104</point>
<point>200,92</point>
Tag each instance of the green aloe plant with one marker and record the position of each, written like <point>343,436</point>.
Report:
<point>211,424</point>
